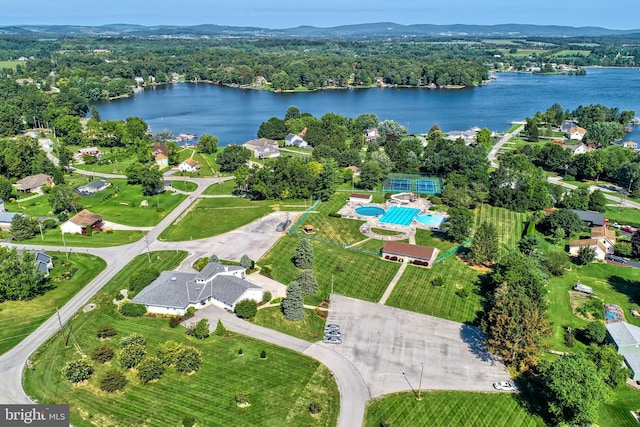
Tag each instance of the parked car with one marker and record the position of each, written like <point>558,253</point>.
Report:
<point>332,340</point>
<point>616,258</point>
<point>616,225</point>
<point>332,333</point>
<point>331,326</point>
<point>505,386</point>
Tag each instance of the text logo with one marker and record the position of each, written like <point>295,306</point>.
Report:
<point>34,415</point>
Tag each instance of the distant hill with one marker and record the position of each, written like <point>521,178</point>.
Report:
<point>380,30</point>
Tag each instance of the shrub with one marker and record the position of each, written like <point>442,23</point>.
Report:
<point>435,200</point>
<point>334,215</point>
<point>277,300</point>
<point>119,296</point>
<point>188,421</point>
<point>568,338</point>
<point>263,354</point>
<point>437,281</point>
<point>266,296</point>
<point>106,331</point>
<point>200,330</point>
<point>133,339</point>
<point>240,352</point>
<point>150,369</point>
<point>592,307</point>
<point>266,271</point>
<point>174,321</point>
<point>246,262</point>
<point>220,329</point>
<point>49,224</point>
<point>314,408</point>
<point>141,278</point>
<point>190,312</point>
<point>462,293</point>
<point>247,308</point>
<point>188,360</point>
<point>102,353</point>
<point>130,309</point>
<point>595,332</point>
<point>242,400</point>
<point>168,352</point>
<point>132,355</point>
<point>112,380</point>
<point>201,263</point>
<point>77,370</point>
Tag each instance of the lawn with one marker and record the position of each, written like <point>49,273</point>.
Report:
<point>310,328</point>
<point>617,413</point>
<point>353,274</point>
<point>449,408</point>
<point>510,224</point>
<point>96,240</point>
<point>20,318</point>
<point>414,291</point>
<point>623,216</point>
<point>207,162</point>
<point>612,283</point>
<point>279,388</point>
<point>230,213</point>
<point>112,167</point>
<point>10,64</point>
<point>225,187</point>
<point>184,185</point>
<point>435,240</point>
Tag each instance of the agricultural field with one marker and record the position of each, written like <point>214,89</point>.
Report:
<point>230,213</point>
<point>311,328</point>
<point>279,387</point>
<point>20,318</point>
<point>350,272</point>
<point>510,224</point>
<point>450,408</point>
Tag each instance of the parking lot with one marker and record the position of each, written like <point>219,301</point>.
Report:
<point>384,342</point>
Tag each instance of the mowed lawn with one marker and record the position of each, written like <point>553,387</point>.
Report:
<point>450,409</point>
<point>280,388</point>
<point>414,291</point>
<point>20,318</point>
<point>96,240</point>
<point>211,217</point>
<point>352,273</point>
<point>623,216</point>
<point>310,328</point>
<point>510,224</point>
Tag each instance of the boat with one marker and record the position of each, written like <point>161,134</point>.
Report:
<point>187,136</point>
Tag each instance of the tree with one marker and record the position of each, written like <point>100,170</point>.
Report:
<point>459,224</point>
<point>529,244</point>
<point>19,276</point>
<point>152,180</point>
<point>63,199</point>
<point>220,329</point>
<point>132,339</point>
<point>623,248</point>
<point>141,278</point>
<point>77,370</point>
<point>246,262</point>
<point>574,389</point>
<point>485,245</point>
<point>303,256</point>
<point>531,129</point>
<point>208,144</point>
<point>576,199</point>
<point>168,352</point>
<point>595,332</point>
<point>293,112</point>
<point>308,282</point>
<point>188,360</point>
<point>293,305</point>
<point>102,353</point>
<point>635,244</point>
<point>370,175</point>
<point>106,331</point>
<point>597,201</point>
<point>566,219</point>
<point>132,355</point>
<point>483,137</point>
<point>200,330</point>
<point>247,308</point>
<point>112,380</point>
<point>24,227</point>
<point>556,262</point>
<point>232,157</point>
<point>586,255</point>
<point>5,188</point>
<point>610,364</point>
<point>150,369</point>
<point>274,128</point>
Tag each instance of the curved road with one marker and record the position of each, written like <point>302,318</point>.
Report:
<point>493,153</point>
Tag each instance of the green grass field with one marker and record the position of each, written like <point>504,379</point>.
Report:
<point>353,274</point>
<point>414,291</point>
<point>20,318</point>
<point>211,217</point>
<point>225,187</point>
<point>183,185</point>
<point>449,409</point>
<point>310,328</point>
<point>279,388</point>
<point>510,224</point>
<point>623,216</point>
<point>97,240</point>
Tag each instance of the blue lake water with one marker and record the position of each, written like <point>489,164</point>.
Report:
<point>234,115</point>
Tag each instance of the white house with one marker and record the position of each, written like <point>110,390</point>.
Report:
<point>189,165</point>
<point>295,140</point>
<point>221,285</point>
<point>266,152</point>
<point>606,236</point>
<point>576,133</point>
<point>598,247</point>
<point>78,223</point>
<point>630,144</point>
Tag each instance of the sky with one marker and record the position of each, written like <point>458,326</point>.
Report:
<point>612,14</point>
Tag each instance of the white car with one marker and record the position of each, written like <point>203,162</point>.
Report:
<point>332,340</point>
<point>504,386</point>
<point>331,327</point>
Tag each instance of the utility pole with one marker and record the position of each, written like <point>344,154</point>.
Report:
<point>420,384</point>
<point>146,239</point>
<point>65,244</point>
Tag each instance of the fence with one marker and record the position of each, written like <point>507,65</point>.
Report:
<point>452,251</point>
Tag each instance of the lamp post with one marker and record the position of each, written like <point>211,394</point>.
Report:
<point>420,384</point>
<point>65,244</point>
<point>146,239</point>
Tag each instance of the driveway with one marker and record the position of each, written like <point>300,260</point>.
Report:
<point>383,342</point>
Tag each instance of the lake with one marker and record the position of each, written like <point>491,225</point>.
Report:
<point>234,115</point>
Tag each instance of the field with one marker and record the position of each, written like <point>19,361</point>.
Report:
<point>350,272</point>
<point>310,328</point>
<point>510,224</point>
<point>279,388</point>
<point>225,187</point>
<point>20,318</point>
<point>449,408</point>
<point>229,213</point>
<point>623,216</point>
<point>9,64</point>
<point>414,291</point>
<point>184,185</point>
<point>96,240</point>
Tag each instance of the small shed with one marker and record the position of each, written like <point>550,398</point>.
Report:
<point>583,288</point>
<point>308,228</point>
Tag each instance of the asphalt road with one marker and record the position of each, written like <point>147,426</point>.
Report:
<point>493,153</point>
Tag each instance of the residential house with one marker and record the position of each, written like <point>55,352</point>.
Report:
<point>6,218</point>
<point>567,125</point>
<point>261,142</point>
<point>92,187</point>
<point>626,339</point>
<point>371,135</point>
<point>606,236</point>
<point>576,133</point>
<point>591,218</point>
<point>218,284</point>
<point>79,223</point>
<point>44,261</point>
<point>599,249</point>
<point>360,198</point>
<point>34,183</point>
<point>162,160</point>
<point>266,152</point>
<point>580,149</point>
<point>295,140</point>
<point>630,144</point>
<point>189,165</point>
<point>160,149</point>
<point>419,255</point>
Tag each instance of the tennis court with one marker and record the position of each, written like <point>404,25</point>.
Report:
<point>429,185</point>
<point>400,184</point>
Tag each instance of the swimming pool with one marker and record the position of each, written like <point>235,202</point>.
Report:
<point>369,211</point>
<point>399,215</point>
<point>432,220</point>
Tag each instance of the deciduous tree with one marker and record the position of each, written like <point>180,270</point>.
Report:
<point>459,224</point>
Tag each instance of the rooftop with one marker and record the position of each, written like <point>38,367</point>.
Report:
<point>84,218</point>
<point>624,334</point>
<point>407,249</point>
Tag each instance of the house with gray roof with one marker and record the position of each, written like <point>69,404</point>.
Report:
<point>626,339</point>
<point>590,218</point>
<point>174,292</point>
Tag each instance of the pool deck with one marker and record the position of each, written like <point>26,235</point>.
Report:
<point>406,231</point>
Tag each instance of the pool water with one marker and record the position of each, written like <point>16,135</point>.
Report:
<point>399,215</point>
<point>369,211</point>
<point>431,220</point>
